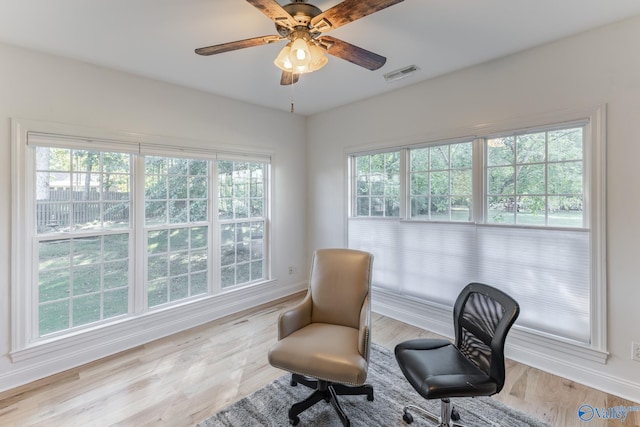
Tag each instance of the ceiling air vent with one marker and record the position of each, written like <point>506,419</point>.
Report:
<point>392,76</point>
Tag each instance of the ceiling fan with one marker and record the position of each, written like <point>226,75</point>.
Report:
<point>304,25</point>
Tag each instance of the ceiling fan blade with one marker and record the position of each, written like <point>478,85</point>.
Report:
<point>240,44</point>
<point>289,78</point>
<point>275,12</point>
<point>348,11</point>
<point>354,54</point>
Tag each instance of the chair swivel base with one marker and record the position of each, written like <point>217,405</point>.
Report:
<point>327,391</point>
<point>448,414</point>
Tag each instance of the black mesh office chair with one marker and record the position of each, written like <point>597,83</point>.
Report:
<point>473,365</point>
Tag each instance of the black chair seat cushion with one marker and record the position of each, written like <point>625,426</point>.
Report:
<point>436,369</point>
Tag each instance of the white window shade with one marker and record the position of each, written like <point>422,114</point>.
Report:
<point>546,270</point>
<point>433,261</point>
<point>37,139</point>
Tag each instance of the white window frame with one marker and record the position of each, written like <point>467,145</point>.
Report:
<point>594,215</point>
<point>25,344</point>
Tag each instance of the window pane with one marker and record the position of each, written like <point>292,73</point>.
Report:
<point>248,248</point>
<point>175,190</point>
<point>531,180</point>
<point>115,303</point>
<point>566,211</point>
<point>377,185</point>
<point>538,189</point>
<point>81,190</point>
<point>502,180</point>
<point>53,317</point>
<point>86,309</point>
<point>566,144</point>
<point>531,148</point>
<point>439,157</point>
<point>461,156</point>
<point>531,210</point>
<point>362,165</point>
<point>420,183</point>
<point>439,183</point>
<point>447,172</point>
<point>75,274</point>
<point>176,257</point>
<point>501,210</point>
<point>462,182</point>
<point>500,151</point>
<point>54,285</point>
<point>242,242</point>
<point>565,178</point>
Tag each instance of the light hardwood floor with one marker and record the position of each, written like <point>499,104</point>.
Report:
<point>183,379</point>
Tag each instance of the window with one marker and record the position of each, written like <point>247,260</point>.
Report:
<point>82,235</point>
<point>103,255</point>
<point>241,210</point>
<point>441,182</point>
<point>523,211</point>
<point>536,178</point>
<point>377,182</point>
<point>177,228</point>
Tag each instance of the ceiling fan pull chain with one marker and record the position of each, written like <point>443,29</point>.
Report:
<point>292,88</point>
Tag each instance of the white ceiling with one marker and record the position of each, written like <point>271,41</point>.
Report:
<point>157,38</point>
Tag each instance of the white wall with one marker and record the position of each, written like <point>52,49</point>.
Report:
<point>41,87</point>
<point>579,73</point>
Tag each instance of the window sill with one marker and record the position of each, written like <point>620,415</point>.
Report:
<point>91,344</point>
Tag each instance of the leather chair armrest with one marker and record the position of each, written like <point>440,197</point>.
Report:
<point>364,335</point>
<point>295,318</point>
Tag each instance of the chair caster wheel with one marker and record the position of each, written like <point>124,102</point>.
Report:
<point>294,421</point>
<point>407,417</point>
<point>455,415</point>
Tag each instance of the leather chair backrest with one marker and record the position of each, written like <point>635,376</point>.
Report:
<point>339,283</point>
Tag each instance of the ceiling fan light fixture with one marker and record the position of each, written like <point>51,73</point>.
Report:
<point>300,55</point>
<point>318,58</point>
<point>282,61</point>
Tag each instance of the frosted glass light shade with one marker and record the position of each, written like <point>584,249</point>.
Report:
<point>282,61</point>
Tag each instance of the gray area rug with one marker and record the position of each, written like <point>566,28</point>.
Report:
<point>269,406</point>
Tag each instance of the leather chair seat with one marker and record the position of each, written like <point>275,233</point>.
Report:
<point>322,350</point>
<point>442,371</point>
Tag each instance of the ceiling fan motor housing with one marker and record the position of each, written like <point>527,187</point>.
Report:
<point>302,12</point>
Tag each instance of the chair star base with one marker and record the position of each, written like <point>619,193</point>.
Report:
<point>327,391</point>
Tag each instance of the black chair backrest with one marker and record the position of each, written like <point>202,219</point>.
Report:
<point>482,317</point>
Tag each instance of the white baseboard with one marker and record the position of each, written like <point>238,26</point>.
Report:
<point>568,360</point>
<point>49,358</point>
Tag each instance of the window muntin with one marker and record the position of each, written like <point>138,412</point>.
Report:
<point>377,181</point>
<point>441,182</point>
<point>241,211</point>
<point>536,179</point>
<point>83,199</point>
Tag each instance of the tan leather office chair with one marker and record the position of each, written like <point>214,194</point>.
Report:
<point>324,341</point>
